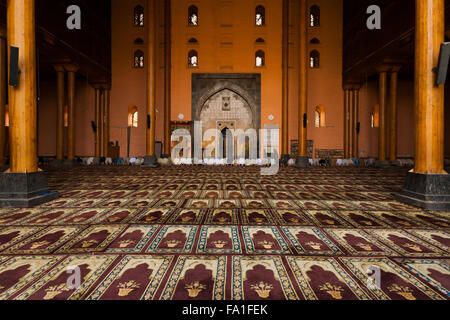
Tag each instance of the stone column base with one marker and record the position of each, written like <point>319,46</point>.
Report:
<point>302,162</point>
<point>151,162</point>
<point>285,159</point>
<point>428,191</point>
<point>24,190</point>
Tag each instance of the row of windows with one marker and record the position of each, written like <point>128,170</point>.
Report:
<point>260,16</point>
<point>260,59</point>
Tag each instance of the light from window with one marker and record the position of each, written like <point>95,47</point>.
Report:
<point>135,120</point>
<point>314,13</point>
<point>320,116</point>
<point>314,59</point>
<point>139,59</point>
<point>132,116</point>
<point>372,121</point>
<point>139,16</point>
<point>375,116</point>
<point>260,58</point>
<point>193,16</point>
<point>317,119</point>
<point>260,15</point>
<point>193,59</point>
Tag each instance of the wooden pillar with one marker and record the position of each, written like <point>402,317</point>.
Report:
<point>71,86</point>
<point>285,82</point>
<point>355,121</point>
<point>429,99</point>
<point>347,107</point>
<point>382,116</point>
<point>303,86</point>
<point>22,99</point>
<point>151,82</point>
<point>168,75</point>
<point>60,89</point>
<point>106,118</point>
<point>98,122</point>
<point>3,90</point>
<point>393,114</point>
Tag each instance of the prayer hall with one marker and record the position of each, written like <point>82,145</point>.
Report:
<point>224,150</point>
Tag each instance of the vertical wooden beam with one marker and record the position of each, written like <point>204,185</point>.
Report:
<point>60,89</point>
<point>355,120</point>
<point>98,122</point>
<point>347,106</point>
<point>3,90</point>
<point>168,75</point>
<point>285,82</point>
<point>106,119</point>
<point>22,99</point>
<point>429,99</point>
<point>393,114</point>
<point>382,116</point>
<point>303,81</point>
<point>71,86</point>
<point>151,80</point>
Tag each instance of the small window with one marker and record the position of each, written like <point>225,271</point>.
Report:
<point>314,13</point>
<point>193,59</point>
<point>320,117</point>
<point>193,41</point>
<point>139,59</point>
<point>193,16</point>
<point>139,41</point>
<point>138,16</point>
<point>314,59</point>
<point>374,117</point>
<point>133,116</point>
<point>260,41</point>
<point>260,16</point>
<point>314,41</point>
<point>260,58</point>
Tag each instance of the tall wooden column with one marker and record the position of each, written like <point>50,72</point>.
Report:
<point>355,121</point>
<point>347,107</point>
<point>3,90</point>
<point>302,156</point>
<point>60,89</point>
<point>168,75</point>
<point>23,185</point>
<point>285,83</point>
<point>71,86</point>
<point>98,122</point>
<point>429,99</point>
<point>393,114</point>
<point>428,185</point>
<point>105,119</point>
<point>150,158</point>
<point>382,89</point>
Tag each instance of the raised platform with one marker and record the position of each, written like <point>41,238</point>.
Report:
<point>24,190</point>
<point>428,191</point>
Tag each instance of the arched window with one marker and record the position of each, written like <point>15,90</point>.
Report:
<point>138,16</point>
<point>139,41</point>
<point>260,16</point>
<point>193,59</point>
<point>320,116</point>
<point>132,116</point>
<point>375,116</point>
<point>314,41</point>
<point>138,59</point>
<point>260,41</point>
<point>314,14</point>
<point>193,41</point>
<point>314,59</point>
<point>193,16</point>
<point>260,58</point>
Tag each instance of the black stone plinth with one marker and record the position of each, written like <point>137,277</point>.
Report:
<point>285,159</point>
<point>63,164</point>
<point>428,191</point>
<point>150,162</point>
<point>302,162</point>
<point>24,190</point>
<point>165,156</point>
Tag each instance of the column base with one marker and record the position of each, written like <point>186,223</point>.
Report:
<point>24,190</point>
<point>285,159</point>
<point>150,162</point>
<point>165,156</point>
<point>428,191</point>
<point>302,162</point>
